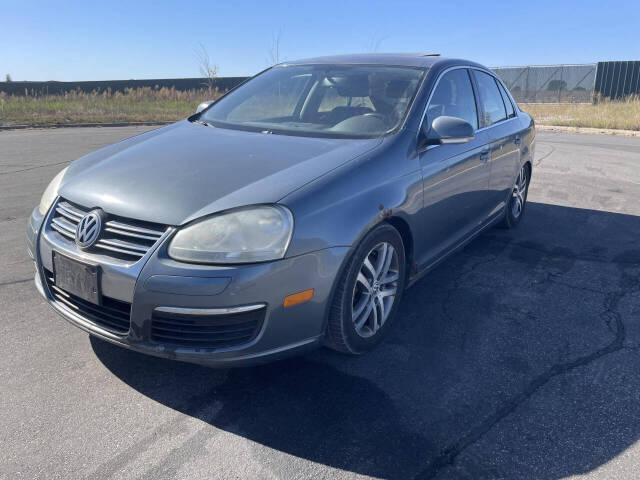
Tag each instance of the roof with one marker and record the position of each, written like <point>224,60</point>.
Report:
<point>405,59</point>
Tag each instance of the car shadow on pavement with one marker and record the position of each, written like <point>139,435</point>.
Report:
<point>515,358</point>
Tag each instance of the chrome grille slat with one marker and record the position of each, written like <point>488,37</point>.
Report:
<point>63,231</point>
<point>129,240</point>
<point>65,224</point>
<point>71,210</point>
<point>132,228</point>
<point>122,244</point>
<point>131,234</point>
<point>68,214</point>
<point>59,290</point>
<point>119,250</point>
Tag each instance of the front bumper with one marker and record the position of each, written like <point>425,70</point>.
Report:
<point>156,283</point>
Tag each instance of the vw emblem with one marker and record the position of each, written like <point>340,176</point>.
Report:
<point>88,229</point>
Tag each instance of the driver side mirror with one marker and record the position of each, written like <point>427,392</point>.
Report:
<point>445,130</point>
<point>203,105</point>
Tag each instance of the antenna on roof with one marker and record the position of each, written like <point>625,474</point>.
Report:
<point>429,54</point>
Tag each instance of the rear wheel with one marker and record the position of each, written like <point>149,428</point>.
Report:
<point>368,292</point>
<point>514,210</point>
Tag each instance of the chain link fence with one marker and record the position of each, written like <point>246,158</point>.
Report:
<point>550,83</point>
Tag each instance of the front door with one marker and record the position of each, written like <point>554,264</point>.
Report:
<point>455,176</point>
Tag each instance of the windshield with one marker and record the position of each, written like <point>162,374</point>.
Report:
<point>320,100</point>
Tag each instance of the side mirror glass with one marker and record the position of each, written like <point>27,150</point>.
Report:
<point>445,130</point>
<point>203,105</point>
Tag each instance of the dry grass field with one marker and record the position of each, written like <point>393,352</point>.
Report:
<point>134,105</point>
<point>623,115</point>
<point>148,104</point>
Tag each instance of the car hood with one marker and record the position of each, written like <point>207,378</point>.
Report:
<point>178,173</point>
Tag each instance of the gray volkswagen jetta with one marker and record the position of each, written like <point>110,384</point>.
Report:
<point>292,212</point>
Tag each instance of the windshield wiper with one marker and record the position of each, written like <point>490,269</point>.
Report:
<point>202,122</point>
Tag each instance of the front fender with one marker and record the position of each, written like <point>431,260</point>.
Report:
<point>340,208</point>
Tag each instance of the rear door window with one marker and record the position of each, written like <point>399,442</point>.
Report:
<point>490,98</point>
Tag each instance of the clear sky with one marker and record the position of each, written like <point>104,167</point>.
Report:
<point>86,40</point>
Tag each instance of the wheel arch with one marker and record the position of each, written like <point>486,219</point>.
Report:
<point>529,165</point>
<point>404,229</point>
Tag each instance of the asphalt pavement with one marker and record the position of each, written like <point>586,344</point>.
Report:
<point>518,357</point>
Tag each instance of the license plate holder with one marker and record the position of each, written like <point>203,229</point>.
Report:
<point>78,278</point>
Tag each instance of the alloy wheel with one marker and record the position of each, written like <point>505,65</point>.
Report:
<point>375,289</point>
<point>519,194</point>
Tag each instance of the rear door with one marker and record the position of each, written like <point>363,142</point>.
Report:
<point>455,176</point>
<point>499,121</point>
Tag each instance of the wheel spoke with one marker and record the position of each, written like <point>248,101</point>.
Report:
<point>389,278</point>
<point>522,184</point>
<point>363,280</point>
<point>372,271</point>
<point>382,316</point>
<point>387,263</point>
<point>374,325</point>
<point>360,321</point>
<point>388,292</point>
<point>362,304</point>
<point>381,261</point>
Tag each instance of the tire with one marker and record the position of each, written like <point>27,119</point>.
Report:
<point>516,206</point>
<point>363,294</point>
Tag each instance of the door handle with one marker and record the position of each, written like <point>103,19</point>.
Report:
<point>518,141</point>
<point>484,156</point>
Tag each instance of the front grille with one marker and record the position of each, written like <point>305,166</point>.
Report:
<point>206,331</point>
<point>120,237</point>
<point>113,315</point>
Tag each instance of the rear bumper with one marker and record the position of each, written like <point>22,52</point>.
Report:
<point>158,283</point>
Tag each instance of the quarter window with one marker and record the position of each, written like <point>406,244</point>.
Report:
<point>492,104</point>
<point>454,97</point>
<point>507,101</point>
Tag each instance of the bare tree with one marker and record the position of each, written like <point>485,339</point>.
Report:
<point>207,69</point>
<point>274,51</point>
<point>7,78</point>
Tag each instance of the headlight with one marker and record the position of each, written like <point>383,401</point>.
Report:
<point>50,193</point>
<point>253,234</point>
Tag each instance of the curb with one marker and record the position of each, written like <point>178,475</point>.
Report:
<point>82,125</point>
<point>596,131</point>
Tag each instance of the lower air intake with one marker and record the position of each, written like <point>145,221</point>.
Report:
<point>206,331</point>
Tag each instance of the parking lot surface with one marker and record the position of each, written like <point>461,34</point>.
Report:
<point>518,357</point>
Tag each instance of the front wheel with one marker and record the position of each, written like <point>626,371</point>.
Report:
<point>514,210</point>
<point>368,293</point>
